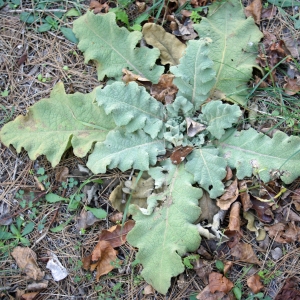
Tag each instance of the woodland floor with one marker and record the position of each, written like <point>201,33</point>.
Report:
<point>47,54</point>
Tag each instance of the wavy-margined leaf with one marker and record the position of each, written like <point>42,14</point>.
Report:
<point>233,50</point>
<point>194,76</point>
<point>251,152</point>
<point>114,48</point>
<point>131,105</point>
<point>219,116</point>
<point>208,169</point>
<point>53,125</point>
<point>167,233</point>
<point>125,150</point>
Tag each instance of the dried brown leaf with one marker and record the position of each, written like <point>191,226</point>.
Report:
<point>202,268</point>
<point>171,49</point>
<point>284,233</point>
<point>116,217</point>
<point>193,127</point>
<point>180,153</point>
<point>116,235</point>
<point>229,174</point>
<point>98,7</point>
<point>234,217</point>
<point>289,290</point>
<point>29,296</point>
<point>255,284</point>
<point>245,253</point>
<point>85,220</point>
<point>101,258</point>
<point>296,199</point>
<point>227,266</point>
<point>208,208</point>
<point>219,283</point>
<point>269,12</point>
<point>164,91</point>
<point>254,10</point>
<point>292,85</point>
<point>62,174</point>
<point>263,210</point>
<point>206,294</point>
<point>26,260</point>
<point>245,197</point>
<point>231,194</point>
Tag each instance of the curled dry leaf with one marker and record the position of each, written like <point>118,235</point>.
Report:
<point>245,197</point>
<point>164,91</point>
<point>203,252</point>
<point>171,49</point>
<point>116,217</point>
<point>231,194</point>
<point>254,10</point>
<point>29,296</point>
<point>208,208</point>
<point>255,284</point>
<point>116,235</point>
<point>205,232</point>
<point>206,294</point>
<point>263,210</point>
<point>228,174</point>
<point>234,227</point>
<point>98,7</point>
<point>26,260</point>
<point>193,127</point>
<point>296,199</point>
<point>202,268</point>
<point>289,290</point>
<point>269,12</point>
<point>101,259</point>
<point>292,85</point>
<point>36,286</point>
<point>284,233</point>
<point>148,290</point>
<point>61,174</point>
<point>180,153</point>
<point>128,76</point>
<point>260,233</point>
<point>85,220</point>
<point>227,266</point>
<point>219,283</point>
<point>245,253</point>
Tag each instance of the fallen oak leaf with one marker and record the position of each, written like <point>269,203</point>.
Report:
<point>26,260</point>
<point>102,258</point>
<point>116,235</point>
<point>254,10</point>
<point>171,49</point>
<point>230,195</point>
<point>245,253</point>
<point>255,284</point>
<point>219,283</point>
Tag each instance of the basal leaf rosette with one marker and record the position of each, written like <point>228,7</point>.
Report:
<point>168,233</point>
<point>113,48</point>
<point>55,124</point>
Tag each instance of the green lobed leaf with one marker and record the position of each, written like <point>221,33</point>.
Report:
<point>251,152</point>
<point>168,233</point>
<point>233,50</point>
<point>132,106</point>
<point>125,150</point>
<point>219,116</point>
<point>53,125</point>
<point>114,48</point>
<point>208,169</point>
<point>194,76</point>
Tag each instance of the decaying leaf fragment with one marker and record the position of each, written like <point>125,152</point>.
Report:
<point>58,271</point>
<point>244,195</point>
<point>101,259</point>
<point>208,208</point>
<point>171,49</point>
<point>244,252</point>
<point>116,235</point>
<point>292,85</point>
<point>219,283</point>
<point>231,194</point>
<point>254,10</point>
<point>284,233</point>
<point>26,260</point>
<point>255,284</point>
<point>206,294</point>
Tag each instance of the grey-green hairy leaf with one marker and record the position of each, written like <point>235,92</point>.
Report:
<point>208,169</point>
<point>114,48</point>
<point>180,107</point>
<point>251,152</point>
<point>131,106</point>
<point>169,232</point>
<point>219,116</point>
<point>194,76</point>
<point>55,124</point>
<point>233,50</point>
<point>125,150</point>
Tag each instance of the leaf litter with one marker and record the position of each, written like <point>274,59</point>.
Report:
<point>283,231</point>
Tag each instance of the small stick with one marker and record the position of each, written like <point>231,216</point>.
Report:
<point>35,10</point>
